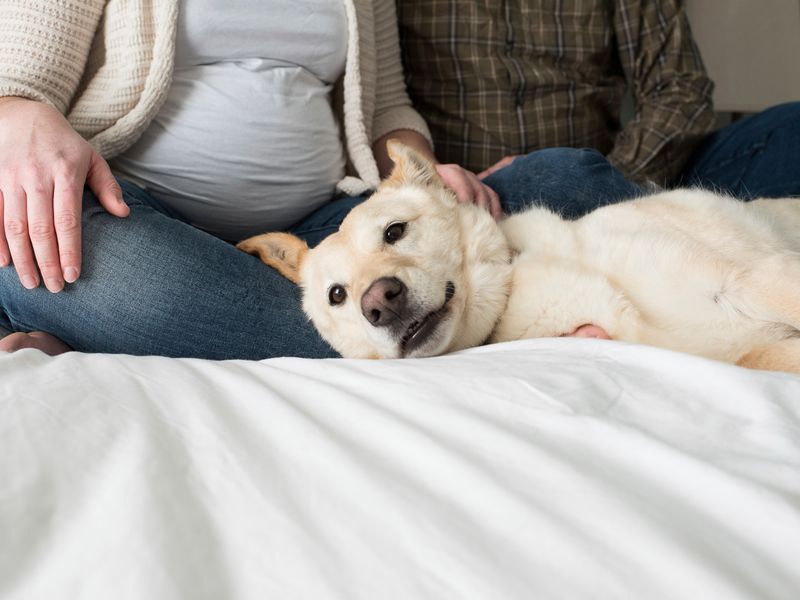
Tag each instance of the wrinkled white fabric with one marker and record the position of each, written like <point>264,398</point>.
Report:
<point>539,469</point>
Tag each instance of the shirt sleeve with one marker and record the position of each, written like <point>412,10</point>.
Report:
<point>671,90</point>
<point>393,109</point>
<point>44,46</point>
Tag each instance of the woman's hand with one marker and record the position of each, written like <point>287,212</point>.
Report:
<point>44,165</point>
<point>469,188</point>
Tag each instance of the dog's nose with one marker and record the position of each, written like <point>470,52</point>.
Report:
<point>384,301</point>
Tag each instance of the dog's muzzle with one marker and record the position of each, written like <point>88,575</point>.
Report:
<point>385,302</point>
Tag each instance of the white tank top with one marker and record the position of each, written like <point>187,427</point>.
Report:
<point>247,140</point>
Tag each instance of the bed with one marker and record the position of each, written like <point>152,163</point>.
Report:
<point>551,468</point>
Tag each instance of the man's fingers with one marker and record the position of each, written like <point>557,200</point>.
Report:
<point>41,230</point>
<point>455,178</point>
<point>480,193</point>
<point>101,181</point>
<point>468,188</point>
<point>487,198</point>
<point>495,208</point>
<point>500,164</point>
<point>67,206</point>
<point>15,223</point>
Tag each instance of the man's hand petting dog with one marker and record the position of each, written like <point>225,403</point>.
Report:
<point>468,188</point>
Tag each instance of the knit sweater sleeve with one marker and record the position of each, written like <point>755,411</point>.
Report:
<point>44,46</point>
<point>393,108</point>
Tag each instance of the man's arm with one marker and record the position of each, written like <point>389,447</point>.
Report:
<point>465,184</point>
<point>671,90</point>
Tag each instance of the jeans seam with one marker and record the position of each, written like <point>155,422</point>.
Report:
<point>751,151</point>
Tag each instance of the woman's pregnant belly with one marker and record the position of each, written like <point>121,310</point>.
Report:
<point>239,148</point>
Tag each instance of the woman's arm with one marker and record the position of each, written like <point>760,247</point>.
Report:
<point>45,47</point>
<point>44,163</point>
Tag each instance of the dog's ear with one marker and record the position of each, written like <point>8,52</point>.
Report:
<point>410,166</point>
<point>283,252</point>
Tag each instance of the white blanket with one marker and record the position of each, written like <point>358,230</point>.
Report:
<point>540,469</point>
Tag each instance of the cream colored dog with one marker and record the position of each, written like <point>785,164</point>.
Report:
<point>412,272</point>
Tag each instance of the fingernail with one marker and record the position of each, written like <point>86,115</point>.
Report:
<point>29,282</point>
<point>54,284</point>
<point>4,261</point>
<point>70,274</point>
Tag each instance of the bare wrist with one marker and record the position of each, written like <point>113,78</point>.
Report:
<point>9,99</point>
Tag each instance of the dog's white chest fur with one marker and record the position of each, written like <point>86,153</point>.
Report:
<point>675,270</point>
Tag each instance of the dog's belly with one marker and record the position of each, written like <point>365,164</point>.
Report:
<point>695,307</point>
<point>660,271</point>
<point>697,312</point>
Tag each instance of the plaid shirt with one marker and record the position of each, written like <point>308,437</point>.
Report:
<point>500,77</point>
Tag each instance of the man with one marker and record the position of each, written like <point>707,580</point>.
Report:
<point>496,79</point>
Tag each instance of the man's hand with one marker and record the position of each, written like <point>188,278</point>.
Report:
<point>44,165</point>
<point>465,184</point>
<point>500,164</point>
<point>469,188</point>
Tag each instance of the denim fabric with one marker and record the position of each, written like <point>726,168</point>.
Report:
<point>757,157</point>
<point>569,182</point>
<point>152,284</point>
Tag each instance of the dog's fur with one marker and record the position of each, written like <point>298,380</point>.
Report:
<point>688,270</point>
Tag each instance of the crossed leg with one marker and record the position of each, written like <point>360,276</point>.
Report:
<point>774,289</point>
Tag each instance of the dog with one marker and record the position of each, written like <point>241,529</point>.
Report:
<point>412,272</point>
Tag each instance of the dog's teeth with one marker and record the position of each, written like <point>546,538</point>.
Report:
<point>412,329</point>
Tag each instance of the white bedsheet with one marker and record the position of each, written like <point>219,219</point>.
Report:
<point>539,469</point>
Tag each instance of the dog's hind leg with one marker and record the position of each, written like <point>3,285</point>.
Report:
<point>780,356</point>
<point>771,289</point>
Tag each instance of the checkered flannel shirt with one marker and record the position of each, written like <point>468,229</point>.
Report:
<point>500,77</point>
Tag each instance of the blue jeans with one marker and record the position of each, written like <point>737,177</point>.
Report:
<point>757,157</point>
<point>152,284</point>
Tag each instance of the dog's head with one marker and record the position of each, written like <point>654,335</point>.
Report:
<point>411,271</point>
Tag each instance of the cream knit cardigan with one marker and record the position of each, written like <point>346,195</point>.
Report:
<point>108,65</point>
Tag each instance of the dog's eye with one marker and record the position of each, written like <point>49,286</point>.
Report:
<point>336,294</point>
<point>394,232</point>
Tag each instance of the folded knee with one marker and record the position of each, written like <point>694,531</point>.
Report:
<point>563,159</point>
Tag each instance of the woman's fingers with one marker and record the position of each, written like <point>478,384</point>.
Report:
<point>15,223</point>
<point>44,164</point>
<point>42,232</point>
<point>102,182</point>
<point>42,220</point>
<point>67,204</point>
